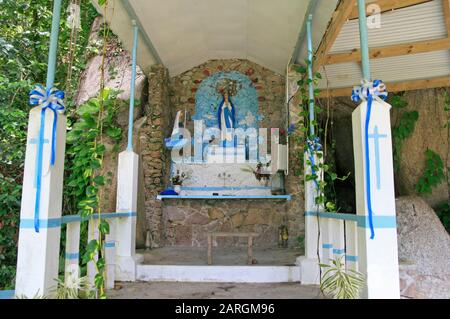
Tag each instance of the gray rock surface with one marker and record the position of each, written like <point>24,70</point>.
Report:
<point>424,243</point>
<point>117,70</point>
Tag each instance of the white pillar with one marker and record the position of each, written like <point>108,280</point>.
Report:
<point>72,268</point>
<point>38,253</point>
<point>110,254</point>
<point>378,258</point>
<point>127,188</point>
<point>93,233</point>
<point>351,245</point>
<point>327,240</point>
<point>309,264</point>
<point>337,228</point>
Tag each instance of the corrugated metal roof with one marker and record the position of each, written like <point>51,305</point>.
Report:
<point>393,69</point>
<point>420,22</point>
<point>407,25</point>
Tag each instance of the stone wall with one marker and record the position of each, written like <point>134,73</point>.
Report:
<point>430,133</point>
<point>154,157</point>
<point>186,222</point>
<point>269,85</point>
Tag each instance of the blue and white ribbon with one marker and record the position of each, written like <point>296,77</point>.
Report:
<point>52,99</point>
<point>313,147</point>
<point>369,91</point>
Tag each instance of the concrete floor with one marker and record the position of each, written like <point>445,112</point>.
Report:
<point>272,256</point>
<point>182,290</point>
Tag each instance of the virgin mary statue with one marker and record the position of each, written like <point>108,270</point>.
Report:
<point>226,118</point>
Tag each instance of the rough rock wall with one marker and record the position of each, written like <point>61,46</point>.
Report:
<point>423,250</point>
<point>430,133</point>
<point>269,85</point>
<point>118,77</point>
<point>154,156</point>
<point>186,222</point>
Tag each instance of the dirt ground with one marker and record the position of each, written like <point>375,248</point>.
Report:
<point>184,290</point>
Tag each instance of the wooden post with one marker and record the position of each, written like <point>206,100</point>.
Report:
<point>250,250</point>
<point>209,249</point>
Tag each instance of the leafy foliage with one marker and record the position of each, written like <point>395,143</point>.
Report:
<point>433,174</point>
<point>443,212</point>
<point>339,283</point>
<point>326,195</point>
<point>403,129</point>
<point>79,288</point>
<point>24,38</point>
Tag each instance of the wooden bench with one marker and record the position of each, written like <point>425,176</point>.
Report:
<point>213,235</point>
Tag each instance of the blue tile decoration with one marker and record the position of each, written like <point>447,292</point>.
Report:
<point>207,100</point>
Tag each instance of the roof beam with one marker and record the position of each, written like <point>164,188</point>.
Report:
<point>388,5</point>
<point>340,16</point>
<point>133,16</point>
<point>311,5</point>
<point>446,9</point>
<point>391,51</point>
<point>394,87</point>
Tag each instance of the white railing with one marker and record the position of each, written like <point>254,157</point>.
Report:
<point>338,237</point>
<point>72,253</point>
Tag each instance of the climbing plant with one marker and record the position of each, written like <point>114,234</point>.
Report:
<point>326,191</point>
<point>433,173</point>
<point>403,129</point>
<point>24,38</point>
<point>336,282</point>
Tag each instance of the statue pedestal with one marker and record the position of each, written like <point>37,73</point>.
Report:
<point>219,154</point>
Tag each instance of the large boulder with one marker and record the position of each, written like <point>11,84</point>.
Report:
<point>117,70</point>
<point>424,250</point>
<point>430,133</point>
<point>118,77</point>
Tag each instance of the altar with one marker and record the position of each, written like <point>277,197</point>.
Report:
<point>227,154</point>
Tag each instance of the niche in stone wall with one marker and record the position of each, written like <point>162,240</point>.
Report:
<point>245,100</point>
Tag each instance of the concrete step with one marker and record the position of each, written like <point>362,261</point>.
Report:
<point>237,274</point>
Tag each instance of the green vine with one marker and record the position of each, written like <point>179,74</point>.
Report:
<point>433,174</point>
<point>326,191</point>
<point>403,129</point>
<point>85,181</point>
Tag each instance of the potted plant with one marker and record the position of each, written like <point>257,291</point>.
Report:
<point>177,180</point>
<point>261,172</point>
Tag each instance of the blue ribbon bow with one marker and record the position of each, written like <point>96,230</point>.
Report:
<point>313,146</point>
<point>51,98</point>
<point>369,91</point>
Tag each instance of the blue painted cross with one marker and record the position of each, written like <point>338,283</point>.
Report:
<point>376,142</point>
<point>35,141</point>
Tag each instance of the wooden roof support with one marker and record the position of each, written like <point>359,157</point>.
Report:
<point>446,9</point>
<point>388,5</point>
<point>394,87</point>
<point>340,16</point>
<point>390,51</point>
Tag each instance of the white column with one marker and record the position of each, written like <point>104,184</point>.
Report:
<point>72,268</point>
<point>93,233</point>
<point>309,264</point>
<point>378,258</point>
<point>337,227</point>
<point>327,240</point>
<point>127,188</point>
<point>38,253</point>
<point>351,243</point>
<point>110,254</point>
